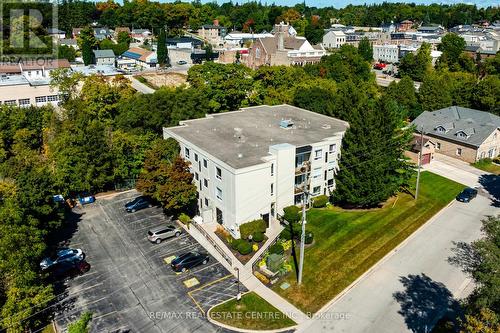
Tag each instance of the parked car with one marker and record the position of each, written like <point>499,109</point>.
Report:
<point>189,260</point>
<point>467,195</point>
<point>182,62</point>
<point>138,204</point>
<point>63,255</point>
<point>68,269</point>
<point>86,200</point>
<point>379,65</point>
<point>156,235</point>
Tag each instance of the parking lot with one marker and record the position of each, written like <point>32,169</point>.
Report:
<point>130,286</point>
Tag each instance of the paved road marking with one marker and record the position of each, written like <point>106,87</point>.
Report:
<point>168,260</point>
<point>189,283</point>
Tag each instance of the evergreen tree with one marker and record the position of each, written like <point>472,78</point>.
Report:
<point>372,165</point>
<point>87,42</point>
<point>162,52</point>
<point>365,49</point>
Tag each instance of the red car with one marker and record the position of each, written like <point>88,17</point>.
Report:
<point>379,66</point>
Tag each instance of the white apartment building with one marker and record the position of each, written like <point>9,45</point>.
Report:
<point>334,39</point>
<point>250,164</point>
<point>387,53</point>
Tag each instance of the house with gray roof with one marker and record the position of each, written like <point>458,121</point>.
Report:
<point>463,133</point>
<point>104,57</point>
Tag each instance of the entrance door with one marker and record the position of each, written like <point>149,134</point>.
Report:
<point>219,217</point>
<point>265,217</point>
<point>426,158</point>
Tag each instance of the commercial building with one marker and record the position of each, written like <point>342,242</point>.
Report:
<point>386,53</point>
<point>250,164</point>
<point>137,57</point>
<point>27,83</point>
<point>462,133</point>
<point>213,33</point>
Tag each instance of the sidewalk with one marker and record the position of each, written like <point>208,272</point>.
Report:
<point>246,275</point>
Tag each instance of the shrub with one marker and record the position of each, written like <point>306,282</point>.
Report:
<point>276,249</point>
<point>244,247</point>
<point>258,237</point>
<point>252,227</point>
<point>286,234</point>
<point>309,237</point>
<point>255,247</point>
<point>292,214</point>
<point>184,218</point>
<point>261,277</point>
<point>235,244</point>
<point>320,201</point>
<point>81,325</point>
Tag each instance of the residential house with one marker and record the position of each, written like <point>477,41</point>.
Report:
<point>428,151</point>
<point>284,48</point>
<point>462,133</point>
<point>250,164</point>
<point>71,42</point>
<point>140,35</point>
<point>333,39</point>
<point>137,56</point>
<point>121,29</point>
<point>213,33</point>
<point>405,25</point>
<point>431,29</point>
<point>104,57</point>
<point>56,34</point>
<point>103,33</point>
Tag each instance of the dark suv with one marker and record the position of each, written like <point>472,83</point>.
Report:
<point>68,269</point>
<point>467,195</point>
<point>189,260</point>
<point>138,204</point>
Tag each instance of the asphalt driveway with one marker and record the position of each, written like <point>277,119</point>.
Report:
<point>130,286</point>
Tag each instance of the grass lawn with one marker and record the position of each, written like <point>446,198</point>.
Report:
<point>254,313</point>
<point>348,242</point>
<point>487,165</point>
<point>48,329</point>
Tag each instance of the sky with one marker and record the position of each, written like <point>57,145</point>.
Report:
<point>343,3</point>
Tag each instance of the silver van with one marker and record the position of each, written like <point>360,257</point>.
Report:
<point>157,234</point>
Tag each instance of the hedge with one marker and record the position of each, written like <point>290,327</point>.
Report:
<point>235,244</point>
<point>286,234</point>
<point>244,248</point>
<point>184,218</point>
<point>320,201</point>
<point>252,227</point>
<point>258,237</point>
<point>291,214</point>
<point>276,248</point>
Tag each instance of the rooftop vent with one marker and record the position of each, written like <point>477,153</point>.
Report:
<point>286,123</point>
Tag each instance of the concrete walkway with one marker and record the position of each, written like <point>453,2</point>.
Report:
<point>246,275</point>
<point>140,87</point>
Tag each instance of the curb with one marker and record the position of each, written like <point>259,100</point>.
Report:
<point>244,330</point>
<point>384,259</point>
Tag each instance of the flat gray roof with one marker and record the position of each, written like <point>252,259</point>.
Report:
<point>242,138</point>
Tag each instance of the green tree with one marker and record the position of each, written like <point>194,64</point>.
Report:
<point>162,52</point>
<point>365,49</point>
<point>123,37</point>
<point>404,93</point>
<point>435,92</point>
<point>452,46</point>
<point>417,65</point>
<point>66,81</point>
<point>486,321</point>
<point>66,52</point>
<point>81,325</point>
<point>369,172</point>
<point>487,94</point>
<point>87,42</point>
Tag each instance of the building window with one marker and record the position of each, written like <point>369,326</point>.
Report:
<point>459,151</point>
<point>316,190</point>
<point>219,193</point>
<point>316,173</point>
<point>206,202</point>
<point>218,173</point>
<point>438,145</point>
<point>272,189</point>
<point>257,53</point>
<point>205,182</point>
<point>196,157</point>
<point>186,152</point>
<point>317,154</point>
<point>196,176</point>
<point>333,148</point>
<point>10,102</point>
<point>41,99</point>
<point>24,101</point>
<point>205,163</point>
<point>272,169</point>
<point>52,98</point>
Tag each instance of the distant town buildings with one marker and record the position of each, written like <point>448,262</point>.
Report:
<point>213,33</point>
<point>137,57</point>
<point>333,39</point>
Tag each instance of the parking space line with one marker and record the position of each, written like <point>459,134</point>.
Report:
<point>197,304</point>
<point>172,252</point>
<point>150,226</point>
<point>165,242</point>
<point>144,218</point>
<point>105,315</point>
<point>211,283</point>
<point>193,272</point>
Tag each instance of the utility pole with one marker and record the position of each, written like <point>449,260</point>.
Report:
<point>419,160</point>
<point>302,236</point>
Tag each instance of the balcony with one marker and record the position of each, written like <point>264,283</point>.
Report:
<point>304,167</point>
